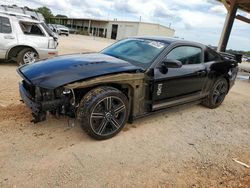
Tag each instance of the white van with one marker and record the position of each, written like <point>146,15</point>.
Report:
<point>24,39</point>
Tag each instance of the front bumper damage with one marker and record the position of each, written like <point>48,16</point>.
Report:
<point>39,108</point>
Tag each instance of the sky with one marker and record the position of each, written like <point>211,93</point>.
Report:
<point>196,20</point>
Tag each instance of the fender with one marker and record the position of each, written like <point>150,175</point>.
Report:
<point>134,80</point>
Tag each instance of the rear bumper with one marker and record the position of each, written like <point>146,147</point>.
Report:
<point>47,53</point>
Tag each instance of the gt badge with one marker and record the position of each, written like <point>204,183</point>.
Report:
<point>159,89</point>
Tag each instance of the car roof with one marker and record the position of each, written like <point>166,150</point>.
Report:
<point>170,40</point>
<point>20,17</point>
<point>60,25</point>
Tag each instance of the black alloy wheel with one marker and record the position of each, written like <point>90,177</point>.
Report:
<point>103,112</point>
<point>217,94</point>
<point>108,116</point>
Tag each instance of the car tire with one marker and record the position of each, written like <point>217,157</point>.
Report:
<point>217,94</point>
<point>26,55</point>
<point>103,112</point>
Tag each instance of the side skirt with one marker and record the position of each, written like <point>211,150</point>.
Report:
<point>177,101</point>
<point>131,120</point>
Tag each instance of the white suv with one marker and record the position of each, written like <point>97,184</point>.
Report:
<point>24,39</point>
<point>62,30</point>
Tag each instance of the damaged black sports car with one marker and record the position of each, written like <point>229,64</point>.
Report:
<point>132,78</point>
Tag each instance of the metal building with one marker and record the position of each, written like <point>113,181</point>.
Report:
<point>114,29</point>
<point>122,29</point>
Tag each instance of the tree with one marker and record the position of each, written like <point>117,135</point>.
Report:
<point>61,16</point>
<point>238,52</point>
<point>46,12</point>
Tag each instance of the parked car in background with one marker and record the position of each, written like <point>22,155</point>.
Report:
<point>52,27</point>
<point>24,39</point>
<point>62,30</point>
<point>245,58</point>
<point>132,78</point>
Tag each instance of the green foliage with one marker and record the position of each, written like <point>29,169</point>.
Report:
<point>46,12</point>
<point>248,54</point>
<point>239,52</point>
<point>61,16</point>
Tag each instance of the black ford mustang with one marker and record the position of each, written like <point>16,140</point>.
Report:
<point>130,79</point>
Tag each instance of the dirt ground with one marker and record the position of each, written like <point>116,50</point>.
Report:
<point>187,147</point>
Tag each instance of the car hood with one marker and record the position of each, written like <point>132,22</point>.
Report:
<point>61,70</point>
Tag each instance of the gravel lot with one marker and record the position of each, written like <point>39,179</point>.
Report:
<point>187,147</point>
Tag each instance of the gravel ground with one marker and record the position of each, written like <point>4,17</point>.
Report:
<point>187,147</point>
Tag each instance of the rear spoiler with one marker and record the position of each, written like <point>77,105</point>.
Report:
<point>232,57</point>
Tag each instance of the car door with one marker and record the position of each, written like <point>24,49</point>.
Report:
<point>7,37</point>
<point>179,85</point>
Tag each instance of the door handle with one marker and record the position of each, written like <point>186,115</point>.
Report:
<point>201,73</point>
<point>9,37</point>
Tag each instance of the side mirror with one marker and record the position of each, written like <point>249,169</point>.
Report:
<point>171,63</point>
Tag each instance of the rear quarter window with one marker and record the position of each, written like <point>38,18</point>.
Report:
<point>212,56</point>
<point>5,26</point>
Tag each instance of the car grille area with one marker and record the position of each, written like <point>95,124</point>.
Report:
<point>29,88</point>
<point>65,31</point>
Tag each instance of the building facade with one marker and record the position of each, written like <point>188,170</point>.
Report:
<point>114,29</point>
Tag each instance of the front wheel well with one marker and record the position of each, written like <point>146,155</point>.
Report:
<point>124,88</point>
<point>13,52</point>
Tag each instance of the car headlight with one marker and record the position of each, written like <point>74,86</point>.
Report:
<point>66,91</point>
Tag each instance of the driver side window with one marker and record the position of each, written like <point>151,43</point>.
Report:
<point>188,55</point>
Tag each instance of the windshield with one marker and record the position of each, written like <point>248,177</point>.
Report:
<point>48,30</point>
<point>141,52</point>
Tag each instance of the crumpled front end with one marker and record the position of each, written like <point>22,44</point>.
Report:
<point>41,101</point>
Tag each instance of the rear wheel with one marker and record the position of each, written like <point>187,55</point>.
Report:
<point>26,55</point>
<point>103,112</point>
<point>217,94</point>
